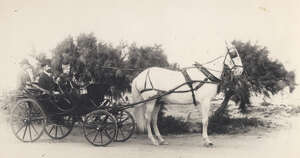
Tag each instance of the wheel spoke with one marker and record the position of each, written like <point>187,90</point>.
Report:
<point>101,136</point>
<point>27,120</point>
<point>107,134</point>
<point>100,128</point>
<point>55,131</point>
<point>121,121</point>
<point>125,126</point>
<point>30,132</point>
<point>96,136</point>
<point>59,126</point>
<point>34,129</point>
<point>20,128</point>
<point>61,130</point>
<point>122,133</point>
<point>24,132</point>
<point>51,129</point>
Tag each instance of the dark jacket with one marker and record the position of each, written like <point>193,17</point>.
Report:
<point>47,82</point>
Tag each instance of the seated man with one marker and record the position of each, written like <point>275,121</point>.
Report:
<point>46,81</point>
<point>25,76</point>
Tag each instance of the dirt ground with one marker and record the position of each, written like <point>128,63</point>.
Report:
<point>283,142</point>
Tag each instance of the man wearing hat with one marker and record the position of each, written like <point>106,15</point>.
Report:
<point>45,80</point>
<point>26,75</point>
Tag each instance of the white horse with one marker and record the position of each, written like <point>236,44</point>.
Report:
<point>152,84</point>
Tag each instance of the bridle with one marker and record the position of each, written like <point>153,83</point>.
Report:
<point>231,50</point>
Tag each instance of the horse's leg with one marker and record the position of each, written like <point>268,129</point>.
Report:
<point>148,115</point>
<point>205,112</point>
<point>139,110</point>
<point>154,123</point>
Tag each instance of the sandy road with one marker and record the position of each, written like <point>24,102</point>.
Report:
<point>256,143</point>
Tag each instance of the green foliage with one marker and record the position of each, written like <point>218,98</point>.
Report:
<point>169,124</point>
<point>266,76</point>
<point>262,75</point>
<point>227,125</point>
<point>100,62</point>
<point>144,57</point>
<point>64,53</point>
<point>174,66</point>
<point>140,58</point>
<point>221,124</point>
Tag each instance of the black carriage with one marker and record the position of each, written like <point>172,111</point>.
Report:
<point>38,111</point>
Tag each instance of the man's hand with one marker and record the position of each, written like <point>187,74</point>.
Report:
<point>56,92</point>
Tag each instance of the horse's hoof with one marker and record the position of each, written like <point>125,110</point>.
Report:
<point>163,143</point>
<point>208,144</point>
<point>155,143</point>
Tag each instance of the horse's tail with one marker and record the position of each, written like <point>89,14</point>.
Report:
<point>139,110</point>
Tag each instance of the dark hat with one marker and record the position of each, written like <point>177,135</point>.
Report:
<point>46,62</point>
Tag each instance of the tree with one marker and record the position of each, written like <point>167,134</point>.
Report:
<point>65,52</point>
<point>140,58</point>
<point>90,61</point>
<point>101,62</point>
<point>262,75</point>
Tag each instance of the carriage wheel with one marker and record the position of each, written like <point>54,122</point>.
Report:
<point>58,127</point>
<point>28,120</point>
<point>100,128</point>
<point>126,125</point>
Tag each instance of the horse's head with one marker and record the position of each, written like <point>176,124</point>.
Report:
<point>233,60</point>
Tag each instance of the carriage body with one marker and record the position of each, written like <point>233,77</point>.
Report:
<point>56,113</point>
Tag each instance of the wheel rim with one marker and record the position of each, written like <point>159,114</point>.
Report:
<point>100,128</point>
<point>126,125</point>
<point>58,127</point>
<point>27,120</point>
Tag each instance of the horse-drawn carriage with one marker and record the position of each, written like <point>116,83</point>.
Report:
<point>104,122</point>
<point>39,111</point>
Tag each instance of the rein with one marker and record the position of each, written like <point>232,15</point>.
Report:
<point>210,78</point>
<point>211,61</point>
<point>134,69</point>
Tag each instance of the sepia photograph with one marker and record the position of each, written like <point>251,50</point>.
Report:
<point>149,78</point>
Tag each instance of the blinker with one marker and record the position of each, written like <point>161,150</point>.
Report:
<point>232,53</point>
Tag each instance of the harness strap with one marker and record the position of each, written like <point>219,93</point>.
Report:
<point>186,76</point>
<point>208,74</point>
<point>148,79</point>
<point>189,83</point>
<point>201,84</point>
